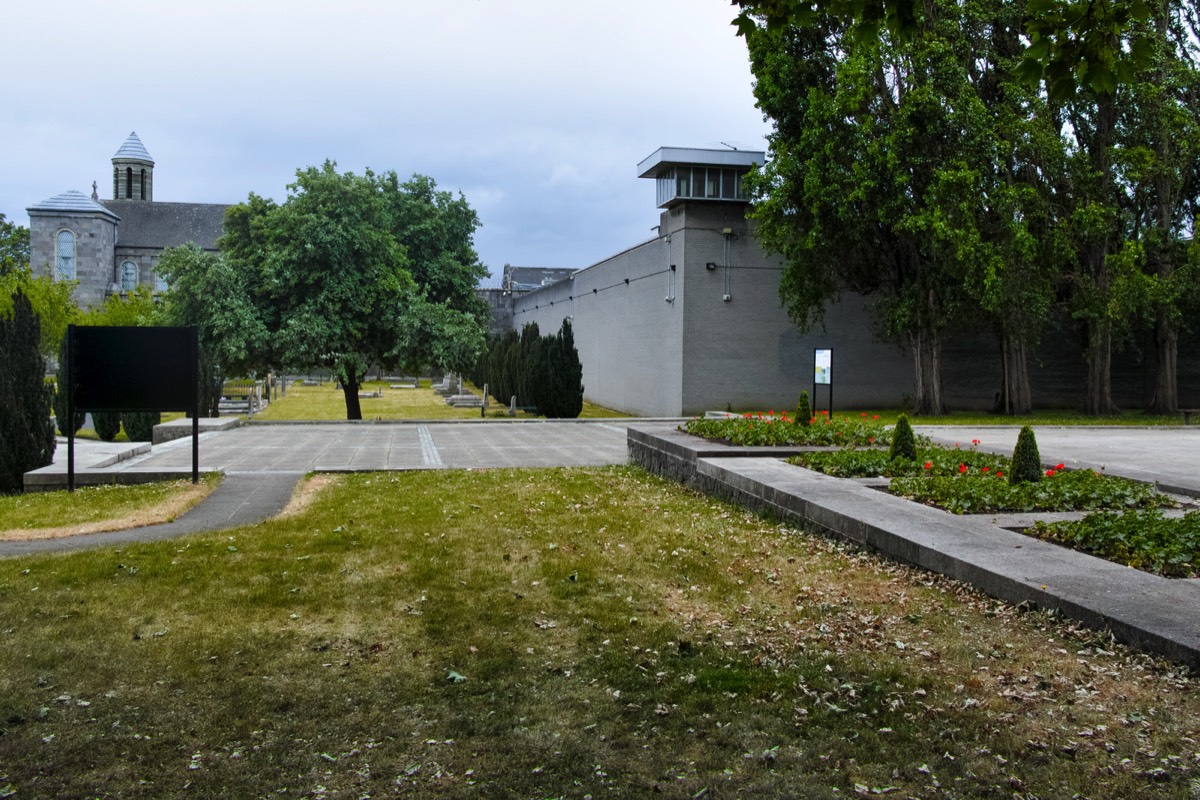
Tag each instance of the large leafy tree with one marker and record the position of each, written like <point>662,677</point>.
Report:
<point>1157,166</point>
<point>208,292</point>
<point>874,140</point>
<point>331,274</point>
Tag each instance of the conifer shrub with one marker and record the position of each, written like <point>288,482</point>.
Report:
<point>107,424</point>
<point>1026,461</point>
<point>904,443</point>
<point>804,413</point>
<point>139,425</point>
<point>26,433</point>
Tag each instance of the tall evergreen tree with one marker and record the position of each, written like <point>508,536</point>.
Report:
<point>26,432</point>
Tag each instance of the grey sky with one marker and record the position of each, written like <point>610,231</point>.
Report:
<point>537,110</point>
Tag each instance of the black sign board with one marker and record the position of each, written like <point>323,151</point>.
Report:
<point>132,369</point>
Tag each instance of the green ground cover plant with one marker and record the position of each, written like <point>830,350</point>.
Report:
<point>556,633</point>
<point>1143,539</point>
<point>770,429</point>
<point>874,462</point>
<point>1075,490</point>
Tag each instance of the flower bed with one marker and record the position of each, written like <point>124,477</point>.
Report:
<point>758,430</point>
<point>1143,539</point>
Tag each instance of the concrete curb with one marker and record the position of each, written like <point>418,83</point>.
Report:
<point>1139,608</point>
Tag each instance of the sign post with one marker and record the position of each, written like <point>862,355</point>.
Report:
<point>823,374</point>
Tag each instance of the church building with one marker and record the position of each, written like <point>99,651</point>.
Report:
<point>113,246</point>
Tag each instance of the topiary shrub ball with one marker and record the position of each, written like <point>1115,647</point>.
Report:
<point>1026,462</point>
<point>804,410</point>
<point>904,443</point>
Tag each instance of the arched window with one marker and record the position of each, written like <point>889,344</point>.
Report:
<point>129,276</point>
<point>65,251</point>
<point>129,183</point>
<point>143,184</point>
<point>116,183</point>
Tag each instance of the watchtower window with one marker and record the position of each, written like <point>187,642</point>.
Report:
<point>129,183</point>
<point>65,251</point>
<point>143,184</point>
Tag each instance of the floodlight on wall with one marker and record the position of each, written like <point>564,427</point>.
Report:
<point>710,266</point>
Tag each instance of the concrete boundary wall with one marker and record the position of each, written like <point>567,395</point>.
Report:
<point>1145,610</point>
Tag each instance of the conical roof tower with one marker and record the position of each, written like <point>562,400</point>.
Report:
<point>133,171</point>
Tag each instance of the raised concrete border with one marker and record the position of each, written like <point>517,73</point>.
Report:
<point>1154,613</point>
<point>179,428</point>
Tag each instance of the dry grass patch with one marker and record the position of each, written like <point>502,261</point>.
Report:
<point>95,509</point>
<point>307,491</point>
<point>557,633</point>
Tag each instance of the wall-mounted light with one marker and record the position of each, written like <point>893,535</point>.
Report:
<point>710,266</point>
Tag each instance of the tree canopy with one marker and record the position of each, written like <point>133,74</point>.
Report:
<point>1070,44</point>
<point>919,167</point>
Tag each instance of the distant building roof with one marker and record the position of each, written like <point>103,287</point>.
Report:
<point>168,224</point>
<point>525,279</point>
<point>133,148</point>
<point>73,202</point>
<point>667,157</point>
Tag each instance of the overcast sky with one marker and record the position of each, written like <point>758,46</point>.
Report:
<point>537,110</point>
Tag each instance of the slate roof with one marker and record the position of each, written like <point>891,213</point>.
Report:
<point>146,224</point>
<point>133,148</point>
<point>73,201</point>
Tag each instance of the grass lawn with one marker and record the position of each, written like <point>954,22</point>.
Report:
<point>556,633</point>
<point>325,402</point>
<point>92,509</point>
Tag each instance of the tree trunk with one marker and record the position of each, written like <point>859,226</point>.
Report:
<point>350,390</point>
<point>1015,394</point>
<point>927,364</point>
<point>1166,376</point>
<point>1097,399</point>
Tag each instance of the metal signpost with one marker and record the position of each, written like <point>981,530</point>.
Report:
<point>823,375</point>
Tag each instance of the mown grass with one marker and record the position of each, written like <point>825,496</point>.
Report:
<point>326,402</point>
<point>556,633</point>
<point>91,507</point>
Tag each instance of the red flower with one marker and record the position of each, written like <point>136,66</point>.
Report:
<point>1060,466</point>
<point>875,416</point>
<point>984,469</point>
<point>1049,473</point>
<point>863,415</point>
<point>871,440</point>
<point>999,474</point>
<point>974,441</point>
<point>928,465</point>
<point>962,468</point>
